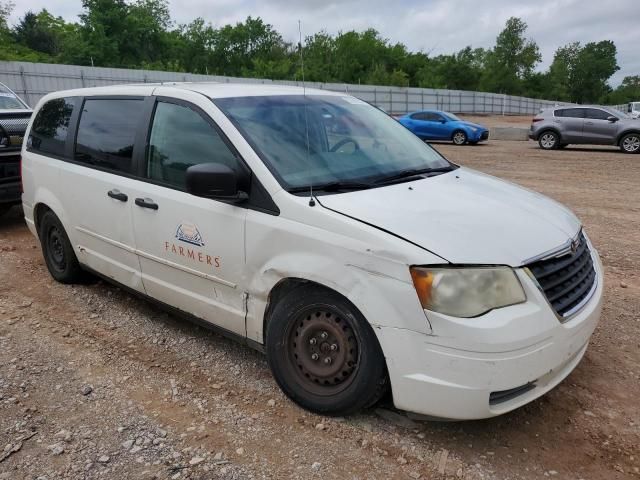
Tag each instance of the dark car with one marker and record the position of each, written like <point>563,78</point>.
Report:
<point>14,117</point>
<point>439,125</point>
<point>592,125</point>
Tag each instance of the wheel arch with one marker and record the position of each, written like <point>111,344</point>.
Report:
<point>283,288</point>
<point>458,129</point>
<point>626,132</point>
<point>382,299</point>
<point>549,129</point>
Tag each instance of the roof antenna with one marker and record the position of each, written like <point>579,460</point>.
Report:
<point>312,202</point>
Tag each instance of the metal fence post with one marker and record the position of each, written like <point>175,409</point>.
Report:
<point>27,95</point>
<point>406,100</point>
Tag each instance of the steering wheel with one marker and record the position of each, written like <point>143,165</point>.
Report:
<point>343,142</point>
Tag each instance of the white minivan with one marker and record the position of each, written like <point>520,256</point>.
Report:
<point>316,228</point>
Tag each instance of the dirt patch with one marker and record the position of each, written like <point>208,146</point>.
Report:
<point>107,386</point>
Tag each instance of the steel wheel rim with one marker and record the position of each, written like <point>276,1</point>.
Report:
<point>631,144</point>
<point>548,140</point>
<point>322,351</point>
<point>56,249</point>
<point>459,138</point>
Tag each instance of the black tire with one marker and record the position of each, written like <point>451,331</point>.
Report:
<point>459,137</point>
<point>630,143</point>
<point>549,140</point>
<point>312,321</point>
<point>58,252</point>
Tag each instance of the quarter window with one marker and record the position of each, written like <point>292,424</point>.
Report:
<point>180,138</point>
<point>106,133</point>
<point>50,127</point>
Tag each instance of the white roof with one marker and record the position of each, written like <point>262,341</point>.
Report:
<point>210,89</point>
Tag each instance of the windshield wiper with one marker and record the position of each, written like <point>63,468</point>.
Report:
<point>332,187</point>
<point>409,173</point>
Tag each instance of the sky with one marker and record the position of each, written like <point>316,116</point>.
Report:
<point>433,26</point>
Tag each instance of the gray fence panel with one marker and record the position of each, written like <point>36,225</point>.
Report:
<point>34,80</point>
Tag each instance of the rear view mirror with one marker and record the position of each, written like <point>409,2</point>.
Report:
<point>215,181</point>
<point>612,119</point>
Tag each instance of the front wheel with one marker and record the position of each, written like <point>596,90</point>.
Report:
<point>630,143</point>
<point>323,353</point>
<point>549,140</point>
<point>459,138</point>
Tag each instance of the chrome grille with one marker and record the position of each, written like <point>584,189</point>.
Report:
<point>15,126</point>
<point>566,280</point>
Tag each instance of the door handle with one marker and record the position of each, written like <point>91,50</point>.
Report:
<point>146,203</point>
<point>118,195</point>
<point>588,123</point>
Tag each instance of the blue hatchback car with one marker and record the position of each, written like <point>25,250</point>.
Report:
<point>438,125</point>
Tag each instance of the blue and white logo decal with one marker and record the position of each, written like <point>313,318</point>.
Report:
<point>189,233</point>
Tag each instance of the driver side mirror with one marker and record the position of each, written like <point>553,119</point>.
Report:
<point>214,180</point>
<point>612,119</point>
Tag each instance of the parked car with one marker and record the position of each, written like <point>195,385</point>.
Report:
<point>314,227</point>
<point>438,125</point>
<point>14,116</point>
<point>558,127</point>
<point>633,109</point>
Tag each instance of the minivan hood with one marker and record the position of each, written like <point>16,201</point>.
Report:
<point>463,216</point>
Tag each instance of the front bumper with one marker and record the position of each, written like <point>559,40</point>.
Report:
<point>486,366</point>
<point>479,136</point>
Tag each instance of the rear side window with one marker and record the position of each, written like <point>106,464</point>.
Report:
<point>50,127</point>
<point>570,112</point>
<point>106,133</point>
<point>180,138</point>
<point>419,116</point>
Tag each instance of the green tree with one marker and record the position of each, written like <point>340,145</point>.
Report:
<point>561,71</point>
<point>511,60</point>
<point>627,91</point>
<point>594,65</point>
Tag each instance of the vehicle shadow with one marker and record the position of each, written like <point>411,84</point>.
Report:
<point>12,220</point>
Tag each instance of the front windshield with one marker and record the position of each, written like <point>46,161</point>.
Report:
<point>321,139</point>
<point>453,117</point>
<point>9,102</point>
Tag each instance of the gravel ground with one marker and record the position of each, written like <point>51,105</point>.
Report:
<point>95,383</point>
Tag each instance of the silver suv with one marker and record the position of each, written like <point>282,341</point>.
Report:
<point>560,126</point>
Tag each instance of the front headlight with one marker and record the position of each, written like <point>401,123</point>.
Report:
<point>466,292</point>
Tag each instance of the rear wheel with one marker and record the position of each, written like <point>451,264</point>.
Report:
<point>323,353</point>
<point>630,143</point>
<point>57,250</point>
<point>549,140</point>
<point>459,137</point>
